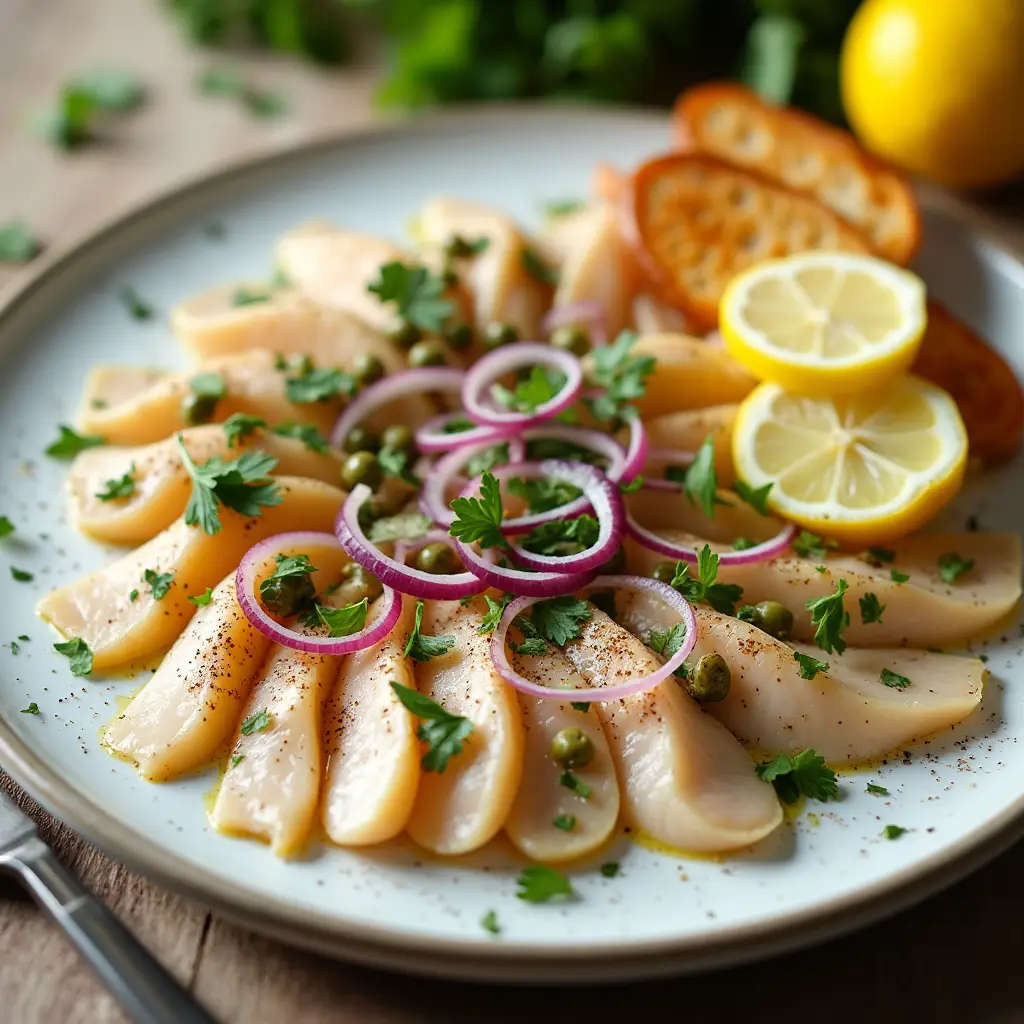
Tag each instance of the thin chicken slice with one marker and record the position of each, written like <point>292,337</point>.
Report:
<point>253,385</point>
<point>845,713</point>
<point>465,806</point>
<point>373,755</point>
<point>652,316</point>
<point>583,824</point>
<point>99,607</point>
<point>162,484</point>
<point>685,779</point>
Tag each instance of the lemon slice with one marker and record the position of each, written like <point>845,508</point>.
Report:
<point>824,322</point>
<point>862,469</point>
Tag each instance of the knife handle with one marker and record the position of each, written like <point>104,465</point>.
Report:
<point>145,990</point>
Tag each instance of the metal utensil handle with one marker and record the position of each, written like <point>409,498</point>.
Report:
<point>146,991</point>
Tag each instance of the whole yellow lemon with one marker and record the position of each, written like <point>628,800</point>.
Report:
<point>937,86</point>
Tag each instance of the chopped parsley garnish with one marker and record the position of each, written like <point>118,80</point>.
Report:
<point>528,395</point>
<point>610,869</point>
<point>700,480</point>
<point>123,487</point>
<point>893,680</point>
<point>209,385</point>
<point>880,790</point>
<point>893,832</point>
<point>743,544</point>
<point>79,656</point>
<point>287,565</point>
<point>566,822</point>
<point>441,731</point>
<point>539,883</point>
<point>404,526</point>
<point>871,609</point>
<point>544,494</point>
<point>809,667</point>
<point>67,124</point>
<point>457,425</point>
<point>487,458</point>
<point>723,597</point>
<point>306,433</point>
<point>898,577</point>
<point>952,566</point>
<point>831,618</point>
<point>203,599</point>
<point>238,426</point>
<point>489,923</point>
<point>494,613</point>
<point>70,443</point>
<point>580,705</point>
<point>810,545</point>
<point>32,709</point>
<point>227,81</point>
<point>806,774</point>
<point>159,583</point>
<point>631,486</point>
<point>237,759</point>
<point>244,297</point>
<point>137,308</point>
<point>395,462</point>
<point>417,294</point>
<point>879,556</point>
<point>17,243</point>
<point>622,375</point>
<point>537,268</point>
<point>239,484</point>
<point>562,537</point>
<point>22,575</point>
<point>422,646</point>
<point>563,207</point>
<point>667,642</point>
<point>318,384</point>
<point>259,722</point>
<point>755,497</point>
<point>479,519</point>
<point>571,781</point>
<point>133,594</point>
<point>531,645</point>
<point>558,619</point>
<point>344,621</point>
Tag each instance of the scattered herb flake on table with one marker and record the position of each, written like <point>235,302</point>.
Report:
<point>17,243</point>
<point>6,527</point>
<point>32,709</point>
<point>610,869</point>
<point>70,443</point>
<point>489,923</point>
<point>137,308</point>
<point>893,831</point>
<point>879,790</point>
<point>539,884</point>
<point>22,575</point>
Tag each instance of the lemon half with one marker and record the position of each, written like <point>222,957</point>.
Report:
<point>862,469</point>
<point>824,322</point>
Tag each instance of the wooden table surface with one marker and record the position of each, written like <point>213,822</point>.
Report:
<point>957,957</point>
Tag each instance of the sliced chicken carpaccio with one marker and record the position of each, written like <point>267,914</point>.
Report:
<point>846,713</point>
<point>465,806</point>
<point>162,484</point>
<point>99,608</point>
<point>541,798</point>
<point>373,755</point>
<point>684,778</point>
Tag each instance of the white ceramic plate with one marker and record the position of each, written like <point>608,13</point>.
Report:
<point>958,794</point>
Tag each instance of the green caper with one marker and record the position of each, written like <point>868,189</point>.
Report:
<point>359,439</point>
<point>357,583</point>
<point>709,680</point>
<point>405,335</point>
<point>570,338</point>
<point>615,565</point>
<point>287,595</point>
<point>361,468</point>
<point>367,369</point>
<point>664,572</point>
<point>572,748</point>
<point>426,353</point>
<point>197,409</point>
<point>774,618</point>
<point>437,558</point>
<point>399,437</point>
<point>498,334</point>
<point>458,335</point>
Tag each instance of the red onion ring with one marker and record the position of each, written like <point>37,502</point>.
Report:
<point>586,311</point>
<point>391,572</point>
<point>763,552</point>
<point>584,437</point>
<point>597,693</point>
<point>398,385</point>
<point>516,581</point>
<point>636,453</point>
<point>245,591</point>
<point>432,439</point>
<point>514,357</point>
<point>525,523</point>
<point>432,501</point>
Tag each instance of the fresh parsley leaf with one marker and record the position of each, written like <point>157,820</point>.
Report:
<point>952,566</point>
<point>831,618</point>
<point>667,642</point>
<point>563,207</point>
<point>494,613</point>
<point>21,575</point>
<point>67,124</point>
<point>893,680</point>
<point>621,374</point>
<point>479,519</point>
<point>306,433</point>
<point>871,609</point>
<point>558,619</point>
<point>287,565</point>
<point>237,759</point>
<point>417,294</point>
<point>700,480</point>
<point>70,443</point>
<point>809,667</point>
<point>203,599</point>
<point>723,597</point>
<point>531,645</point>
<point>344,621</point>
<point>209,385</point>
<point>878,556</point>
<point>159,583</point>
<point>441,731</point>
<point>489,923</point>
<point>631,486</point>
<point>457,425</point>
<point>79,656</point>
<point>893,832</point>
<point>544,494</point>
<point>395,462</point>
<point>880,790</point>
<point>898,577</point>
<point>562,537</point>
<point>539,883</point>
<point>537,268</point>
<point>487,458</point>
<point>404,526</point>
<point>259,722</point>
<point>755,497</point>
<point>245,297</point>
<point>137,308</point>
<point>571,781</point>
<point>580,705</point>
<point>123,487</point>
<point>805,773</point>
<point>17,243</point>
<point>743,544</point>
<point>238,426</point>
<point>566,822</point>
<point>110,89</point>
<point>610,869</point>
<point>529,395</point>
<point>810,545</point>
<point>422,646</point>
<point>318,384</point>
<point>32,709</point>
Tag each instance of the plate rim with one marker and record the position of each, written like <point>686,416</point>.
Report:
<point>478,957</point>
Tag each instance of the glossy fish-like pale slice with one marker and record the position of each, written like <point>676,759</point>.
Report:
<point>652,316</point>
<point>99,609</point>
<point>686,431</point>
<point>188,709</point>
<point>373,766</point>
<point>541,798</point>
<point>685,779</point>
<point>845,714</point>
<point>589,248</point>
<point>152,413</point>
<point>107,386</point>
<point>162,483</point>
<point>465,806</point>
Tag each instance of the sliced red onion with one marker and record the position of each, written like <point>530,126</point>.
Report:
<point>586,311</point>
<point>432,439</point>
<point>433,499</point>
<point>762,552</point>
<point>388,611</point>
<point>584,437</point>
<point>525,523</point>
<point>517,581</point>
<point>390,571</point>
<point>636,453</point>
<point>398,385</point>
<point>597,693</point>
<point>507,359</point>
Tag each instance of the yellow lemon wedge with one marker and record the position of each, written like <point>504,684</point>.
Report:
<point>824,322</point>
<point>861,469</point>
